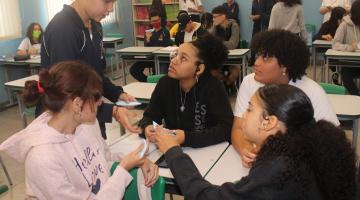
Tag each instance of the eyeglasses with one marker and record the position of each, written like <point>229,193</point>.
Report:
<point>182,57</point>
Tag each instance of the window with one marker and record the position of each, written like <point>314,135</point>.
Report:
<point>54,6</point>
<point>10,23</point>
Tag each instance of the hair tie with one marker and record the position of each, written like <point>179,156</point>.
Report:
<point>40,89</point>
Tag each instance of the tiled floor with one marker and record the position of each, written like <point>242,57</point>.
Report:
<point>9,119</point>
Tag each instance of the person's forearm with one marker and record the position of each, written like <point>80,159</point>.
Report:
<point>324,10</point>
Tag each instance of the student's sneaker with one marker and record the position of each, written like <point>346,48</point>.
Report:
<point>335,78</point>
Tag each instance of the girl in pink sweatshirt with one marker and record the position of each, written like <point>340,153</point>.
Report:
<point>64,154</point>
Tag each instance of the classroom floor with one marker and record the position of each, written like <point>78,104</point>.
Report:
<point>11,124</point>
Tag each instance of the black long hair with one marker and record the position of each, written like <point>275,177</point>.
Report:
<point>320,146</point>
<point>290,3</point>
<point>336,14</point>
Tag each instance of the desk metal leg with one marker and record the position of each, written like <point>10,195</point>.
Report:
<point>157,65</point>
<point>6,172</point>
<point>314,61</point>
<point>355,133</point>
<point>123,63</point>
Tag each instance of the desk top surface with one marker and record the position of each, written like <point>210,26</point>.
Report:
<point>227,169</point>
<point>20,83</point>
<point>238,52</point>
<point>139,50</point>
<point>140,90</point>
<point>332,52</point>
<point>345,105</point>
<point>34,59</point>
<point>322,43</point>
<point>112,39</point>
<point>204,158</point>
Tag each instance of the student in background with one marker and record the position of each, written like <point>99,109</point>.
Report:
<point>328,28</point>
<point>289,15</point>
<point>298,158</point>
<point>328,5</point>
<point>190,101</point>
<point>229,31</point>
<point>193,7</point>
<point>67,38</point>
<point>188,30</point>
<point>347,38</point>
<point>206,21</point>
<point>233,9</point>
<point>327,32</point>
<point>31,44</point>
<point>282,58</point>
<point>174,29</point>
<point>255,17</point>
<point>64,154</point>
<point>160,7</point>
<point>266,7</point>
<point>158,36</point>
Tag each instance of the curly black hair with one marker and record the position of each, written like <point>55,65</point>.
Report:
<point>289,49</point>
<point>222,10</point>
<point>212,51</point>
<point>319,146</point>
<point>291,2</point>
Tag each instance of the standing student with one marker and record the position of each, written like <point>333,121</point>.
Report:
<point>188,30</point>
<point>191,102</point>
<point>266,7</point>
<point>289,15</point>
<point>160,7</point>
<point>255,17</point>
<point>31,43</point>
<point>193,7</point>
<point>327,7</point>
<point>233,9</point>
<point>347,38</point>
<point>67,38</point>
<point>64,154</point>
<point>159,36</point>
<point>298,158</point>
<point>282,58</point>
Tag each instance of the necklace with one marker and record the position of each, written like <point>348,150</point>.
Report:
<point>182,107</point>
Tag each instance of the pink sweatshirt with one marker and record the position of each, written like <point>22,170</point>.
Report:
<point>70,167</point>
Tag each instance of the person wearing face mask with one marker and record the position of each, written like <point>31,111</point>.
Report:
<point>189,99</point>
<point>299,158</point>
<point>31,43</point>
<point>67,37</point>
<point>158,36</point>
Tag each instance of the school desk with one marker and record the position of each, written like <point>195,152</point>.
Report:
<point>317,46</point>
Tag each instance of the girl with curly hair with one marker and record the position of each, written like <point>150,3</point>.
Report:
<point>193,103</point>
<point>299,158</point>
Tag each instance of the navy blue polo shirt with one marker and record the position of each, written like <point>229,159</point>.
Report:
<point>66,38</point>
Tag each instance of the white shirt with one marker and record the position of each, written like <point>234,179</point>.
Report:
<point>26,45</point>
<point>334,3</point>
<point>322,107</point>
<point>189,4</point>
<point>188,36</point>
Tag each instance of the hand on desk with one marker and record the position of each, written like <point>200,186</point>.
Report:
<point>166,141</point>
<point>150,171</point>
<point>133,159</point>
<point>126,97</point>
<point>122,115</point>
<point>327,37</point>
<point>355,46</point>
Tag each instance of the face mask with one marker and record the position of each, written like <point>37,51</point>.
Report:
<point>156,25</point>
<point>36,34</point>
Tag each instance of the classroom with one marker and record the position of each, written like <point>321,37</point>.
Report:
<point>179,99</point>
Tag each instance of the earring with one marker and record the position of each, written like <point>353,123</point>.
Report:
<point>283,73</point>
<point>197,78</point>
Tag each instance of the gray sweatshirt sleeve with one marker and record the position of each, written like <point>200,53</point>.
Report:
<point>233,42</point>
<point>339,39</point>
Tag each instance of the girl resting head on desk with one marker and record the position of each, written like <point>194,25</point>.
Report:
<point>64,154</point>
<point>193,104</point>
<point>31,44</point>
<point>299,158</point>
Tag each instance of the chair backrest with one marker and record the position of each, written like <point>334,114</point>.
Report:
<point>154,78</point>
<point>311,30</point>
<point>131,193</point>
<point>333,89</point>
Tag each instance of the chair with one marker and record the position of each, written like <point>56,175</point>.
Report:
<point>6,173</point>
<point>110,55</point>
<point>333,89</point>
<point>157,191</point>
<point>3,188</point>
<point>154,78</point>
<point>27,112</point>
